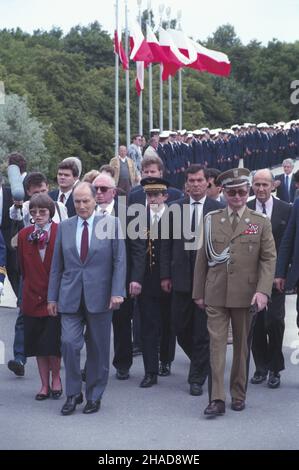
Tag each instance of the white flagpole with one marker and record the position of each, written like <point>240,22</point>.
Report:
<point>139,2</point>
<point>161,9</point>
<point>150,79</point>
<point>128,116</point>
<point>168,13</point>
<point>180,79</point>
<point>116,112</point>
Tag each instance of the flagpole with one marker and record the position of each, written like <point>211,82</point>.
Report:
<point>116,112</point>
<point>139,2</point>
<point>179,18</point>
<point>150,79</point>
<point>161,9</point>
<point>128,116</point>
<point>168,13</point>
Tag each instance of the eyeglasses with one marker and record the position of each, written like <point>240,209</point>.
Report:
<point>41,212</point>
<point>234,192</point>
<point>103,189</point>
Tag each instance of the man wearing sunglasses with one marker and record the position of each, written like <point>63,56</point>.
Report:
<point>233,278</point>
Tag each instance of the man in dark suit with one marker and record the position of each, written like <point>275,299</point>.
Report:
<point>87,282</point>
<point>289,254</point>
<point>108,203</point>
<point>67,178</point>
<point>177,268</point>
<point>269,324</point>
<point>151,167</point>
<point>285,182</point>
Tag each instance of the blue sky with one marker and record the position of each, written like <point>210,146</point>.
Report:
<point>253,19</point>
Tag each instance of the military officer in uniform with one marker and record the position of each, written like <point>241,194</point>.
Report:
<point>233,278</point>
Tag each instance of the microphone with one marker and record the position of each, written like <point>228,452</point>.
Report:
<point>16,183</point>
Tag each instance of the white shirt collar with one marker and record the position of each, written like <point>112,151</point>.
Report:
<point>89,220</point>
<point>201,201</point>
<point>108,209</point>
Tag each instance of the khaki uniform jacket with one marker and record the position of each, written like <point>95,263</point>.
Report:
<point>134,178</point>
<point>251,266</point>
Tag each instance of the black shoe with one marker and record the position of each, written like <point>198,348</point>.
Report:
<point>195,389</point>
<point>136,351</point>
<point>92,406</point>
<point>215,408</point>
<point>42,396</point>
<point>122,374</point>
<point>71,403</point>
<point>83,375</point>
<point>17,367</point>
<point>164,369</point>
<point>258,378</point>
<point>149,380</point>
<point>56,394</point>
<point>274,380</point>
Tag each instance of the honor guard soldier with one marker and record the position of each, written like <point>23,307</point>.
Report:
<point>233,278</point>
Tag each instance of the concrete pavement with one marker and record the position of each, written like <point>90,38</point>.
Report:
<point>163,417</point>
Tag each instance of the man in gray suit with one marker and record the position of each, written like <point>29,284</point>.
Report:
<point>87,282</point>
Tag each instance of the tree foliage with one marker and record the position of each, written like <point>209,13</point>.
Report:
<point>66,85</point>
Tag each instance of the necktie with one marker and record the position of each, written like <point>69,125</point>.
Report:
<point>194,204</point>
<point>264,208</point>
<point>235,220</point>
<point>287,188</point>
<point>84,242</point>
<point>62,198</point>
<point>154,226</point>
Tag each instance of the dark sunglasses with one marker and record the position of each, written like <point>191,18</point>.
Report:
<point>234,192</point>
<point>41,212</point>
<point>103,189</point>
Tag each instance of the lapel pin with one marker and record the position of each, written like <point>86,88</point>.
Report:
<point>222,220</point>
<point>247,221</point>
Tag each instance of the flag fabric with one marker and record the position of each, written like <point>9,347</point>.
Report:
<point>140,50</point>
<point>176,59</point>
<point>139,82</point>
<point>119,50</point>
<point>201,58</point>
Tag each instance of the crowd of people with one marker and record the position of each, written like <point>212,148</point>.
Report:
<point>164,251</point>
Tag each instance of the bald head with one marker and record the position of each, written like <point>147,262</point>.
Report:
<point>263,185</point>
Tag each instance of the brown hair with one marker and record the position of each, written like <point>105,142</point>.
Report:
<point>147,161</point>
<point>42,201</point>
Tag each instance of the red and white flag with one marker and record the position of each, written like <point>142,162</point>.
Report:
<point>139,82</point>
<point>119,50</point>
<point>140,50</point>
<point>176,59</point>
<point>211,61</point>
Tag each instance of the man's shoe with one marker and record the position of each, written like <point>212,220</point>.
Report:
<point>122,374</point>
<point>274,380</point>
<point>71,402</point>
<point>164,369</point>
<point>215,408</point>
<point>92,406</point>
<point>148,381</point>
<point>17,367</point>
<point>237,405</point>
<point>258,378</point>
<point>195,389</point>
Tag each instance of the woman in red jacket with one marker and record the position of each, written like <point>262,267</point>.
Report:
<point>42,332</point>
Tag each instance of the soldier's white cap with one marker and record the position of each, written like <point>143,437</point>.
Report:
<point>182,132</point>
<point>164,135</point>
<point>234,178</point>
<point>205,129</point>
<point>155,131</point>
<point>173,133</point>
<point>196,132</point>
<point>190,136</point>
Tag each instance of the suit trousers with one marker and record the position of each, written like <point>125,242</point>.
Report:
<point>122,335</point>
<point>190,323</point>
<point>268,334</point>
<point>218,322</point>
<point>155,328</point>
<point>98,327</point>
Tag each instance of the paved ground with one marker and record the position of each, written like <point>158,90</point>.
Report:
<point>163,417</point>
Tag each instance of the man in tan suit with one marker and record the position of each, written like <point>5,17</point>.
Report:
<point>126,174</point>
<point>233,277</point>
